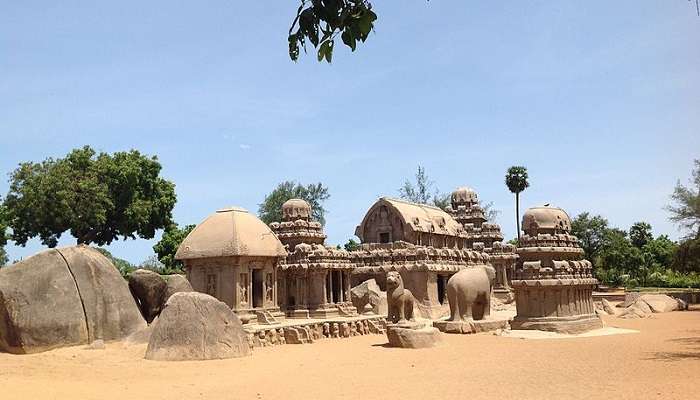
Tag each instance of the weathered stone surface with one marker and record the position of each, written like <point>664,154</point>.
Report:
<point>553,283</point>
<point>471,326</point>
<point>413,337</point>
<point>608,308</point>
<point>176,284</point>
<point>148,289</point>
<point>660,303</point>
<point>638,309</point>
<point>469,293</point>
<point>196,326</point>
<point>297,335</point>
<point>64,297</point>
<point>369,294</point>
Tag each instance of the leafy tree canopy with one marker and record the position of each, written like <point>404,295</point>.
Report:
<point>685,206</point>
<point>423,190</point>
<point>319,22</point>
<point>270,210</point>
<point>351,245</point>
<point>516,179</point>
<point>590,232</point>
<point>3,234</point>
<point>3,257</point>
<point>124,266</point>
<point>640,234</point>
<point>97,197</point>
<point>166,248</point>
<point>153,264</point>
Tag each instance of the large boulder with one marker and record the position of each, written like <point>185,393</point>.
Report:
<point>608,308</point>
<point>660,303</point>
<point>64,297</point>
<point>412,335</point>
<point>175,284</point>
<point>148,289</point>
<point>196,326</point>
<point>369,294</point>
<point>638,309</point>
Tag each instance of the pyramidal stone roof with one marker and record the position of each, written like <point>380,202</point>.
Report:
<point>230,232</point>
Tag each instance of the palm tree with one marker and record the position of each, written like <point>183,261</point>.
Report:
<point>516,180</point>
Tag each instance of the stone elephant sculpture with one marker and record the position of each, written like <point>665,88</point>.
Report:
<point>469,293</point>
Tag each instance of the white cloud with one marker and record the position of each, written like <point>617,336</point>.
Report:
<point>244,146</point>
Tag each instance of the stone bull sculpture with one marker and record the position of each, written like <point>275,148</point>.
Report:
<point>469,293</point>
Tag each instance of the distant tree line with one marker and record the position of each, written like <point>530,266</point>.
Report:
<point>101,197</point>
<point>635,257</point>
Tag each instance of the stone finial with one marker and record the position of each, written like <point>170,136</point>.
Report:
<point>463,196</point>
<point>294,209</point>
<point>546,219</point>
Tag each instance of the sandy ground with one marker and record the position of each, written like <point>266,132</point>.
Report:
<point>661,361</point>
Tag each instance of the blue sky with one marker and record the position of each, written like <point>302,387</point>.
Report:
<point>598,99</point>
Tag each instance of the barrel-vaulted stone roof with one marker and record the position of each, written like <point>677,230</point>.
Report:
<point>230,232</point>
<point>417,217</point>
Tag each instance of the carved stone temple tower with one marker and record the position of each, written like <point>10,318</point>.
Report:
<point>314,280</point>
<point>484,236</point>
<point>553,283</point>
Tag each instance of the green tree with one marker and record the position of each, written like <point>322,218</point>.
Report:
<point>319,22</point>
<point>270,210</point>
<point>423,190</point>
<point>166,248</point>
<point>640,234</point>
<point>490,212</point>
<point>687,257</point>
<point>351,245</point>
<point>3,257</point>
<point>442,201</point>
<point>3,234</point>
<point>122,265</point>
<point>685,205</point>
<point>659,252</point>
<point>590,232</point>
<point>152,264</point>
<point>516,180</point>
<point>618,253</point>
<point>96,197</point>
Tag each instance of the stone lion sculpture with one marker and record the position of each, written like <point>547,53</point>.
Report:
<point>469,293</point>
<point>399,299</point>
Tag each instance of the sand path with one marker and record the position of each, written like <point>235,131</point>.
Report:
<point>661,361</point>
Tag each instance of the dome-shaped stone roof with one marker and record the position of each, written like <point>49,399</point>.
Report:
<point>294,209</point>
<point>230,232</point>
<point>546,219</point>
<point>464,195</point>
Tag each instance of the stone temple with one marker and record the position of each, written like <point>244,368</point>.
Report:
<point>314,280</point>
<point>266,274</point>
<point>482,235</point>
<point>421,242</point>
<point>283,275</point>
<point>235,257</point>
<point>553,283</point>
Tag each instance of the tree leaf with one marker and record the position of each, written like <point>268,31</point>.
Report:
<point>349,39</point>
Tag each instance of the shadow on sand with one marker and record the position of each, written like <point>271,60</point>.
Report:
<point>692,350</point>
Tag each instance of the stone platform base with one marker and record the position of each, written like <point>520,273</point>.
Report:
<point>412,335</point>
<point>300,331</point>
<point>484,325</point>
<point>569,325</point>
<point>504,295</point>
